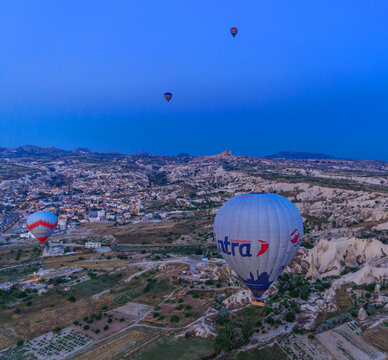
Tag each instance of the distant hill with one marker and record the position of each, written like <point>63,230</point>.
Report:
<point>299,155</point>
<point>32,151</point>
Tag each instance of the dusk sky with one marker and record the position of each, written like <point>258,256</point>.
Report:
<point>300,75</point>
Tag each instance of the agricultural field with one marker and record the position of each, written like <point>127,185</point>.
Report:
<point>168,348</point>
<point>51,346</point>
<point>43,314</point>
<point>375,331</point>
<point>302,347</point>
<point>89,261</point>
<point>163,232</point>
<point>273,352</point>
<point>346,342</point>
<point>120,345</point>
<point>21,255</point>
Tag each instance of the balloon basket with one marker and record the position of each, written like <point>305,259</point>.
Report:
<point>258,302</point>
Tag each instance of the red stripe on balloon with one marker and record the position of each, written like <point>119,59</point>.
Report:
<point>43,223</point>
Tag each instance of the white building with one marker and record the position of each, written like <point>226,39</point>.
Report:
<point>92,245</point>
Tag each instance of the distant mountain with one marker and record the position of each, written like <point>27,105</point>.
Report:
<point>142,153</point>
<point>299,155</point>
<point>30,151</point>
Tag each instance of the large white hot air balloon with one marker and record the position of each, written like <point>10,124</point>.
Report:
<point>258,234</point>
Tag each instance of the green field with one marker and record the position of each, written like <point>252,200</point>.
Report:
<point>168,348</point>
<point>94,286</point>
<point>267,353</point>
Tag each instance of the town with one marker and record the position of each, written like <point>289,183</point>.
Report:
<point>133,268</point>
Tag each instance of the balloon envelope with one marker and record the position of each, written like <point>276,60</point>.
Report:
<point>168,96</point>
<point>42,224</point>
<point>233,31</point>
<point>258,234</point>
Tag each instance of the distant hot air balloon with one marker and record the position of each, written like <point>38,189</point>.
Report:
<point>42,224</point>
<point>233,31</point>
<point>258,234</point>
<point>168,96</point>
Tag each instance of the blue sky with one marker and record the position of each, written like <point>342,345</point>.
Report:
<point>300,75</point>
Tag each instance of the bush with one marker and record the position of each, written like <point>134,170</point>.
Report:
<point>174,319</point>
<point>106,327</point>
<point>180,301</point>
<point>304,296</point>
<point>247,332</point>
<point>311,337</point>
<point>97,331</point>
<point>188,307</point>
<point>86,327</point>
<point>109,320</point>
<point>71,298</point>
<point>75,322</point>
<point>104,307</point>
<point>290,316</point>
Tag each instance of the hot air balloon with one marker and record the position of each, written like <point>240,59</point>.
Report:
<point>168,96</point>
<point>233,31</point>
<point>42,224</point>
<point>258,234</point>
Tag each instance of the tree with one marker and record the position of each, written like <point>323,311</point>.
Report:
<point>223,315</point>
<point>19,342</point>
<point>227,338</point>
<point>290,316</point>
<point>174,319</point>
<point>66,249</point>
<point>71,298</point>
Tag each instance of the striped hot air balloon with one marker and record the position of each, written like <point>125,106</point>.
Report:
<point>233,31</point>
<point>258,234</point>
<point>42,224</point>
<point>168,96</point>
